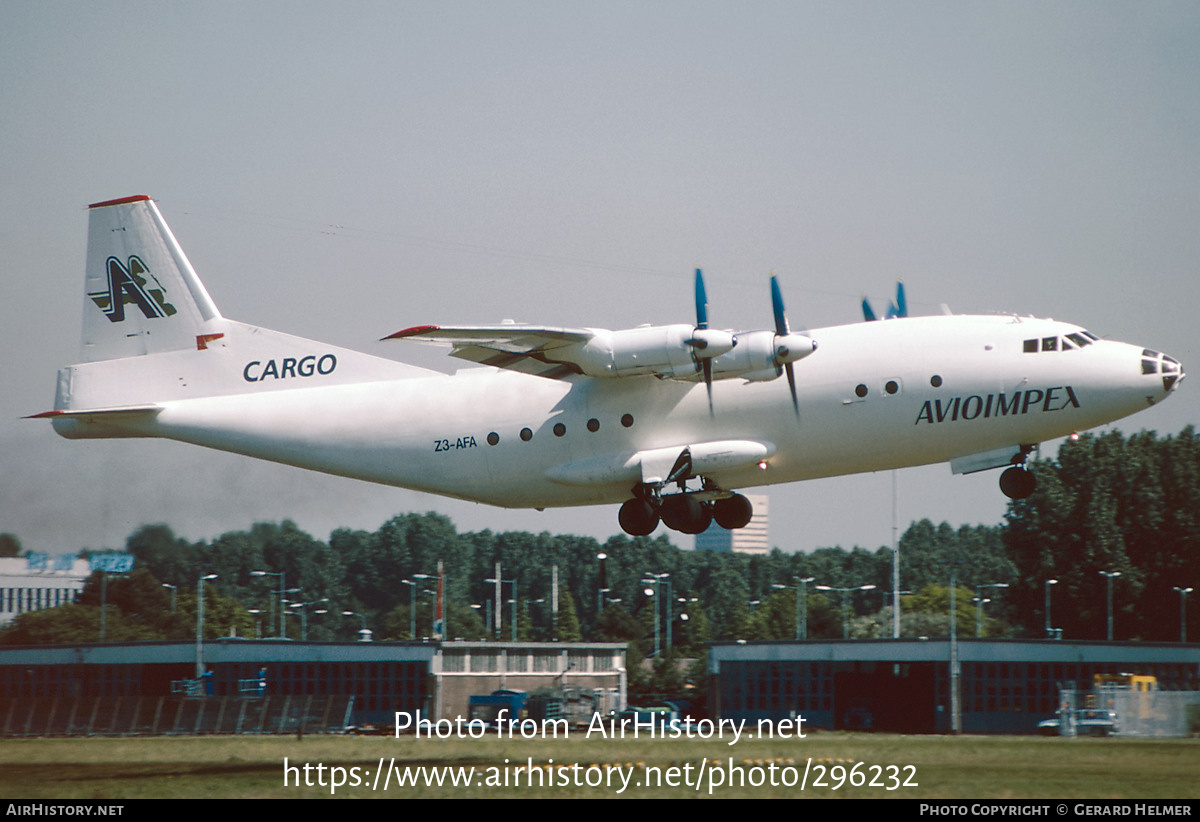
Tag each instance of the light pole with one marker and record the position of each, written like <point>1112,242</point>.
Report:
<point>602,588</point>
<point>1110,575</point>
<point>657,580</point>
<point>364,634</point>
<point>412,603</point>
<point>303,606</point>
<point>499,602</point>
<point>845,592</point>
<point>1183,592</point>
<point>1049,622</point>
<point>200,622</point>
<point>801,604</point>
<point>173,592</point>
<point>282,585</point>
<point>981,602</point>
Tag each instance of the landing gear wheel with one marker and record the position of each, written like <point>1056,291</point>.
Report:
<point>638,517</point>
<point>733,512</point>
<point>685,513</point>
<point>1017,483</point>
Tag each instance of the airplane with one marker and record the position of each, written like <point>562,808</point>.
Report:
<point>667,421</point>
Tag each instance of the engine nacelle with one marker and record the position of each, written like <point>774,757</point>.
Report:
<point>672,351</point>
<point>761,355</point>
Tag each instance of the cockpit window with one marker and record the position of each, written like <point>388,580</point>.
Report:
<point>1068,342</point>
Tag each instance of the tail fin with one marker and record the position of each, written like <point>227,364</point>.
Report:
<point>142,295</point>
<point>151,335</point>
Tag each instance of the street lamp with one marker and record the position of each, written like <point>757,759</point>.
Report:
<point>1183,592</point>
<point>499,583</point>
<point>282,585</point>
<point>412,603</point>
<point>200,623</point>
<point>658,580</point>
<point>303,606</point>
<point>845,601</point>
<point>979,599</point>
<point>801,604</point>
<point>1049,630</point>
<point>1110,575</point>
<point>364,633</point>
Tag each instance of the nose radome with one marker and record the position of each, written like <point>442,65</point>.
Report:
<point>1169,368</point>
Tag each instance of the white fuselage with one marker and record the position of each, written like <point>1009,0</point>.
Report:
<point>936,389</point>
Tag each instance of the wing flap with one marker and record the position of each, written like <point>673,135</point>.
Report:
<point>516,347</point>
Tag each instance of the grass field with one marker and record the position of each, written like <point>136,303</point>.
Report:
<point>941,767</point>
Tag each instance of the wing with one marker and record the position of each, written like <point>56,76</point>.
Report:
<point>540,350</point>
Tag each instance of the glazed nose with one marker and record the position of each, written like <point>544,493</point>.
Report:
<point>1169,368</point>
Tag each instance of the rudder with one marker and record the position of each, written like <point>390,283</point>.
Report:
<point>142,295</point>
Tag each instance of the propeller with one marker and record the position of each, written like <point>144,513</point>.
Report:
<point>702,325</point>
<point>899,308</point>
<point>788,347</point>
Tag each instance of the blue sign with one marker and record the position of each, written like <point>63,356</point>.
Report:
<point>112,563</point>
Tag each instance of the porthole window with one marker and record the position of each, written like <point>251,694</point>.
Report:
<point>526,435</point>
<point>593,425</point>
<point>627,420</point>
<point>891,387</point>
<point>860,390</point>
<point>559,429</point>
<point>935,381</point>
<point>493,438</point>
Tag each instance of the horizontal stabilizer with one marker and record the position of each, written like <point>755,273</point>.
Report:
<point>107,413</point>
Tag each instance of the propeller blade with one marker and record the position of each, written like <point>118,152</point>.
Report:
<point>781,330</point>
<point>707,365</point>
<point>702,323</point>
<point>701,302</point>
<point>868,314</point>
<point>791,375</point>
<point>900,307</point>
<point>781,323</point>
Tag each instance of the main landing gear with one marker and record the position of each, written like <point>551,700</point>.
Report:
<point>1017,482</point>
<point>689,513</point>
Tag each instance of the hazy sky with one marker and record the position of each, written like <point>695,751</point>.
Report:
<point>344,171</point>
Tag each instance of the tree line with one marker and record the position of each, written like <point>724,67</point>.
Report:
<point>1106,503</point>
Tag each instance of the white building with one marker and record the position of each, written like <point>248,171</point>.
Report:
<point>39,581</point>
<point>752,539</point>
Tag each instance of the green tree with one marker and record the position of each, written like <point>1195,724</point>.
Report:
<point>568,621</point>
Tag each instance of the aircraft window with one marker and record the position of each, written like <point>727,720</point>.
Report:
<point>1079,340</point>
<point>1146,352</point>
<point>891,387</point>
<point>526,435</point>
<point>593,425</point>
<point>935,381</point>
<point>1169,367</point>
<point>1067,345</point>
<point>860,390</point>
<point>1031,346</point>
<point>1049,343</point>
<point>559,429</point>
<point>493,438</point>
<point>627,420</point>
<point>1149,367</point>
<point>1091,336</point>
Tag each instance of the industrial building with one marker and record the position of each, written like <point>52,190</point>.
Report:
<point>143,684</point>
<point>906,686</point>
